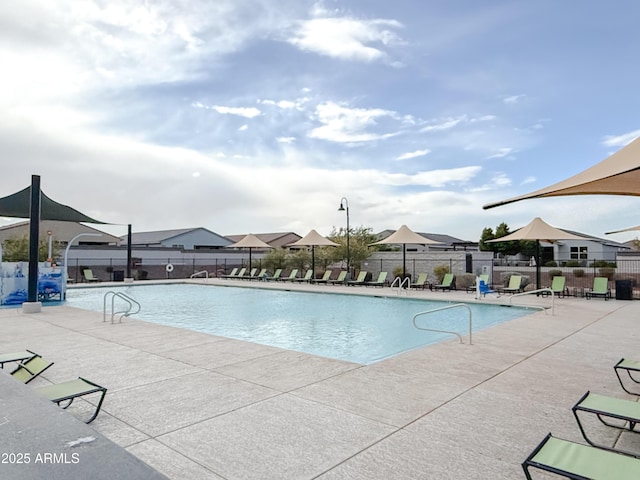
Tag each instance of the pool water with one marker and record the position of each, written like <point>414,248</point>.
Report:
<point>355,328</point>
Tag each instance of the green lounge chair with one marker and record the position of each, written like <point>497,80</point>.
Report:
<point>292,276</point>
<point>421,282</point>
<point>472,288</point>
<point>233,273</point>
<point>31,368</point>
<point>261,275</point>
<point>581,462</point>
<point>362,276</point>
<point>325,278</point>
<point>342,276</point>
<point>626,412</point>
<point>89,277</point>
<point>628,366</point>
<point>558,286</point>
<point>252,274</point>
<point>276,275</point>
<point>448,283</point>
<point>515,285</point>
<point>16,357</point>
<point>600,289</point>
<point>240,273</point>
<point>306,278</point>
<point>69,391</point>
<point>379,282</point>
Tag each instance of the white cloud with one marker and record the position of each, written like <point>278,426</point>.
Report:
<point>243,128</point>
<point>528,180</point>
<point>432,178</point>
<point>417,153</point>
<point>444,125</point>
<point>347,38</point>
<point>286,139</point>
<point>621,140</point>
<point>248,112</point>
<point>502,152</point>
<point>343,124</point>
<point>513,98</point>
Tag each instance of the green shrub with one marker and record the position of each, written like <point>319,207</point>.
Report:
<point>465,280</point>
<point>440,271</point>
<point>551,263</point>
<point>573,263</point>
<point>578,272</point>
<point>555,273</point>
<point>607,272</point>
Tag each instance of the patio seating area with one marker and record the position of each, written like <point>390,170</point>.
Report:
<point>193,405</point>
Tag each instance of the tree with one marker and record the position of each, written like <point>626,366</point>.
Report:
<point>504,248</point>
<point>359,240</point>
<point>274,259</point>
<point>16,249</point>
<point>487,234</point>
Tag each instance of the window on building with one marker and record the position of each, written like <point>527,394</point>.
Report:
<point>579,253</point>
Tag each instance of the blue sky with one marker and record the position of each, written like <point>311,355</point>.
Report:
<point>260,115</point>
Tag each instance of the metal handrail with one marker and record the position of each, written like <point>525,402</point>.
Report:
<point>197,274</point>
<point>457,305</point>
<point>400,282</point>
<point>547,289</point>
<point>125,313</point>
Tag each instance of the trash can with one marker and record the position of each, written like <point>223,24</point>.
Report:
<point>624,289</point>
<point>118,275</point>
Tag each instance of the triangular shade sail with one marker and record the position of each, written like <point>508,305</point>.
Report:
<point>18,205</point>
<point>250,241</point>
<point>313,238</point>
<point>538,229</point>
<point>619,174</point>
<point>630,229</point>
<point>405,235</point>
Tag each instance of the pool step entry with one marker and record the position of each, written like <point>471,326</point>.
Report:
<point>132,308</point>
<point>401,285</point>
<point>448,307</point>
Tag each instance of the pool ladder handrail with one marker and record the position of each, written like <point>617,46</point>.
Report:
<point>398,284</point>
<point>544,309</point>
<point>198,274</point>
<point>457,305</point>
<point>125,313</point>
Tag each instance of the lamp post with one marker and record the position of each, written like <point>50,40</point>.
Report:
<point>344,206</point>
<point>66,251</point>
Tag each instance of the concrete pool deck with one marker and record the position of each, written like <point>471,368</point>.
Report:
<point>197,406</point>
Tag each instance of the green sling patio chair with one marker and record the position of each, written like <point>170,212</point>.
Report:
<point>276,275</point>
<point>448,283</point>
<point>252,274</point>
<point>306,278</point>
<point>261,275</point>
<point>600,289</point>
<point>292,276</point>
<point>89,277</point>
<point>421,282</point>
<point>515,285</point>
<point>30,369</point>
<point>69,391</point>
<point>325,278</point>
<point>379,282</point>
<point>362,276</point>
<point>581,462</point>
<point>16,357</point>
<point>612,412</point>
<point>341,278</point>
<point>628,366</point>
<point>232,274</point>
<point>558,286</point>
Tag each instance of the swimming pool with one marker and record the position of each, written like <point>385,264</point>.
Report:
<point>356,328</point>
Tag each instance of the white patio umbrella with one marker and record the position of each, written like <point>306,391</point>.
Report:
<point>403,236</point>
<point>313,239</point>
<point>538,230</point>
<point>250,241</point>
<point>618,174</point>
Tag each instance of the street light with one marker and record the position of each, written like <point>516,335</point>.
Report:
<point>344,206</point>
<point>66,251</point>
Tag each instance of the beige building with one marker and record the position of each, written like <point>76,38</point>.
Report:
<point>61,232</point>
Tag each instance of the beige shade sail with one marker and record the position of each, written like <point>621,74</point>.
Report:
<point>250,242</point>
<point>630,229</point>
<point>537,230</point>
<point>313,239</point>
<point>618,174</point>
<point>403,236</point>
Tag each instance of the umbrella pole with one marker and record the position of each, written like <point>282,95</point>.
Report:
<point>250,259</point>
<point>313,261</point>
<point>538,265</point>
<point>404,261</point>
